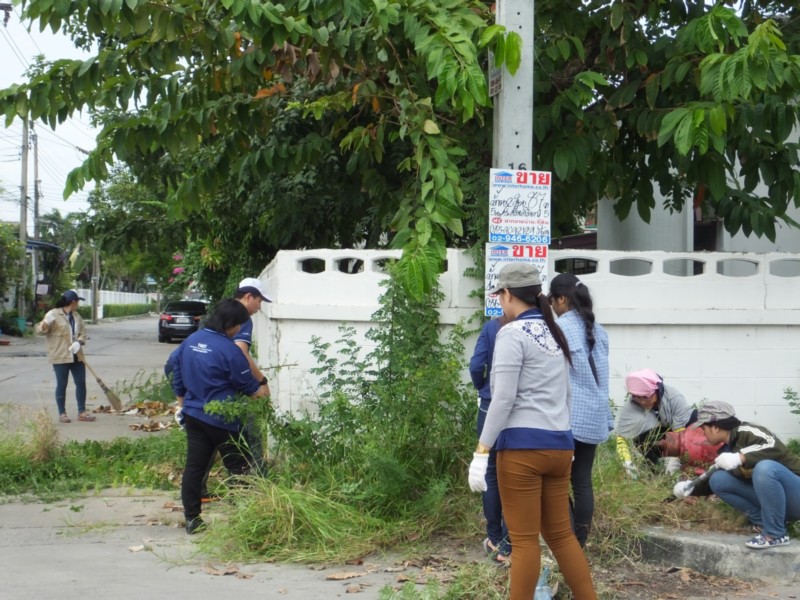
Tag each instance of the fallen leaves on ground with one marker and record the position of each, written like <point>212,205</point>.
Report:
<point>229,570</point>
<point>343,576</point>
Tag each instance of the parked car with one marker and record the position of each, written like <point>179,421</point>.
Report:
<point>180,319</point>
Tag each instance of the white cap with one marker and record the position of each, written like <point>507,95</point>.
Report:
<point>251,285</point>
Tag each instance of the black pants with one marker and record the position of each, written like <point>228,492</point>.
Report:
<point>201,441</point>
<point>582,501</point>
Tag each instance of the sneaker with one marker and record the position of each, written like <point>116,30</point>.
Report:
<point>760,541</point>
<point>194,525</point>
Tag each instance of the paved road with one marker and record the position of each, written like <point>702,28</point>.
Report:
<point>123,353</point>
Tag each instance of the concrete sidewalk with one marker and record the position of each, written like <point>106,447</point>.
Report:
<point>128,544</point>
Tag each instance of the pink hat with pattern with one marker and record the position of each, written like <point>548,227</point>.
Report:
<point>642,383</point>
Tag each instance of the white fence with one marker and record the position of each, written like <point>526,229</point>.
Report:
<point>729,332</point>
<point>109,297</point>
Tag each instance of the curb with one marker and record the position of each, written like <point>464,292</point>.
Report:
<point>721,554</point>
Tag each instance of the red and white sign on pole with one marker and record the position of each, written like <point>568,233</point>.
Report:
<point>519,225</point>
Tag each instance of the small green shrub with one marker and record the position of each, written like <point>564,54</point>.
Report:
<point>394,428</point>
<point>126,310</point>
<point>9,324</point>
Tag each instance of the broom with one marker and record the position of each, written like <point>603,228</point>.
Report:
<point>112,397</point>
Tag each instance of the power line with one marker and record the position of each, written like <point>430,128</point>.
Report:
<point>14,48</point>
<point>26,30</point>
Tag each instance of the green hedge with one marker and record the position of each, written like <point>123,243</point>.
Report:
<point>126,310</point>
<point>118,310</point>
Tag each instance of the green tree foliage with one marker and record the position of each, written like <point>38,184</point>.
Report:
<point>696,98</point>
<point>128,224</point>
<point>312,122</point>
<point>11,253</point>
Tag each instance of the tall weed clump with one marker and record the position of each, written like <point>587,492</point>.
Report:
<point>393,425</point>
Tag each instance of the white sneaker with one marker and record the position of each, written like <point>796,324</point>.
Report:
<point>760,542</point>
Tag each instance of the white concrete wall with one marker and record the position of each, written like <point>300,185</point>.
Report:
<point>711,335</point>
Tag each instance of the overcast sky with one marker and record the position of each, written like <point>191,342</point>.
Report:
<point>58,150</point>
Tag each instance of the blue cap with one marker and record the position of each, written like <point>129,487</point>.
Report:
<point>71,296</point>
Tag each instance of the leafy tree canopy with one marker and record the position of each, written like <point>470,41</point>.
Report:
<point>342,121</point>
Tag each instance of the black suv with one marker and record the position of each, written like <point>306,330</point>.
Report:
<point>180,319</point>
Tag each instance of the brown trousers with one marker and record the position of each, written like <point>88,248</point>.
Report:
<point>534,490</point>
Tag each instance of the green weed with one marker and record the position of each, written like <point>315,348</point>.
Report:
<point>33,461</point>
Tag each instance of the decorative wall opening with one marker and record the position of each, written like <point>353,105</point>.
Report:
<point>737,267</point>
<point>381,265</point>
<point>786,267</point>
<point>630,267</point>
<point>576,266</point>
<point>350,266</point>
<point>311,265</point>
<point>684,267</point>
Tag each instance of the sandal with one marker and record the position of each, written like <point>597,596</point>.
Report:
<point>85,416</point>
<point>64,418</point>
<point>495,553</point>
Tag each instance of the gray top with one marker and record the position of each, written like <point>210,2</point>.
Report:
<point>530,381</point>
<point>673,412</point>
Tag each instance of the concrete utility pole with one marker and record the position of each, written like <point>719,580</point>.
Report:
<point>36,182</point>
<point>23,221</point>
<point>513,107</point>
<point>95,285</point>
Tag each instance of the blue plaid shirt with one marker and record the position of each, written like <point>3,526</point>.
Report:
<point>591,408</point>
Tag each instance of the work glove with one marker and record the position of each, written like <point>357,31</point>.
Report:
<point>477,472</point>
<point>74,347</point>
<point>179,417</point>
<point>683,489</point>
<point>728,461</point>
<point>49,318</point>
<point>631,469</point>
<point>672,465</point>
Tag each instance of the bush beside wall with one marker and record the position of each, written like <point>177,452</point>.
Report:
<point>126,310</point>
<point>111,311</point>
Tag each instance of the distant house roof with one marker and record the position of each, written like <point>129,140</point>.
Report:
<point>37,245</point>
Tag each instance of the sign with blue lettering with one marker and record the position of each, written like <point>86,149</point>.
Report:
<point>519,206</point>
<point>499,255</point>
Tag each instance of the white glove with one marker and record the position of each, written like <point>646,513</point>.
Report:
<point>477,472</point>
<point>631,469</point>
<point>728,461</point>
<point>672,465</point>
<point>683,489</point>
<point>179,417</point>
<point>49,318</point>
<point>74,347</point>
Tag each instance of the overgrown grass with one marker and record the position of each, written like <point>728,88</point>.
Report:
<point>33,461</point>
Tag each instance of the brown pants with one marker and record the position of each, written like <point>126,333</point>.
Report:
<point>534,490</point>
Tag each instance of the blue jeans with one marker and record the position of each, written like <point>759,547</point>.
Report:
<point>78,370</point>
<point>496,529</point>
<point>769,499</point>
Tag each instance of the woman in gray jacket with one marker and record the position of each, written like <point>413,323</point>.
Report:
<point>528,423</point>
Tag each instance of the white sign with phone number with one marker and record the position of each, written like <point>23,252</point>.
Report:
<point>519,206</point>
<point>499,255</point>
